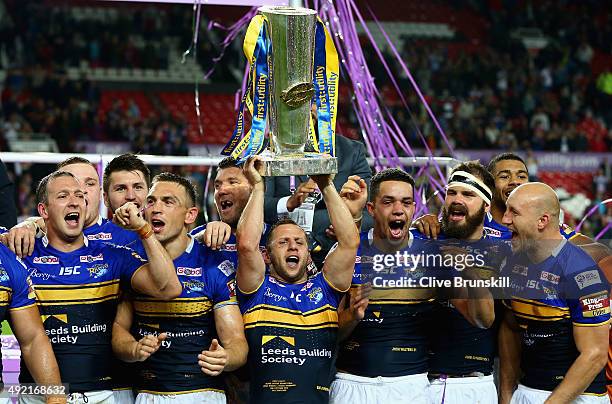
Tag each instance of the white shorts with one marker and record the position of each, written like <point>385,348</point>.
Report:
<point>89,397</point>
<point>463,390</point>
<point>206,397</point>
<point>124,396</point>
<point>348,388</point>
<point>527,395</point>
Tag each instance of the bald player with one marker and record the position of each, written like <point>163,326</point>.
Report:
<point>556,331</point>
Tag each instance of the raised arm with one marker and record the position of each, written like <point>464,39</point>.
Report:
<point>158,277</point>
<point>340,263</point>
<point>251,266</point>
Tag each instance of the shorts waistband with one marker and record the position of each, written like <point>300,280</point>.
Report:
<point>463,380</point>
<point>538,391</point>
<point>380,379</point>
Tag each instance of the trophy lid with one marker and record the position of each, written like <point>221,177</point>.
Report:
<point>286,10</point>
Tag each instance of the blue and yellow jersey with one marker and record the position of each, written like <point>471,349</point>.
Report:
<point>291,330</point>
<point>208,284</point>
<point>14,291</point>
<point>107,231</point>
<point>104,230</point>
<point>472,348</point>
<point>494,229</point>
<point>391,340</point>
<point>77,294</point>
<point>548,300</point>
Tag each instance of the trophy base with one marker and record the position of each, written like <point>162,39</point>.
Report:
<point>300,164</point>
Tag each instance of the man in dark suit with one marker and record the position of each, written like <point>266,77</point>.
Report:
<point>285,195</point>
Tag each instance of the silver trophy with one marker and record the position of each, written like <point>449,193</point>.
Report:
<point>291,32</point>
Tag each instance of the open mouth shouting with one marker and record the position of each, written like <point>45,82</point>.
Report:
<point>457,213</point>
<point>292,261</point>
<point>226,206</point>
<point>157,225</point>
<point>507,192</point>
<point>72,219</point>
<point>397,229</point>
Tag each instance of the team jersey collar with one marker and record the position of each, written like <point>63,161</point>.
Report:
<point>371,238</point>
<point>190,245</point>
<point>45,241</point>
<point>558,248</point>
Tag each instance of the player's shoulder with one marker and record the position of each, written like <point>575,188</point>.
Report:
<point>9,262</point>
<point>417,234</point>
<point>114,250</point>
<point>573,259</point>
<point>216,264</point>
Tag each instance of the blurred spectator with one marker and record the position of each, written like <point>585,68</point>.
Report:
<point>532,166</point>
<point>8,211</point>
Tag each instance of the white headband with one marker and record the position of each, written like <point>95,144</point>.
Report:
<point>467,180</point>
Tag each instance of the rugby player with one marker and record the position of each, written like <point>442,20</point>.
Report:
<point>20,238</point>
<point>384,356</point>
<point>231,194</point>
<point>77,284</point>
<point>556,331</point>
<point>462,341</point>
<point>291,321</point>
<point>204,322</point>
<point>19,307</point>
<point>509,171</point>
<point>126,178</point>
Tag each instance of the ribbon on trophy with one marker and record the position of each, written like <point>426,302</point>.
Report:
<point>326,69</point>
<point>257,49</point>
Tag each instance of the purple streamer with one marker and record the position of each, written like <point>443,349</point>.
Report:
<point>601,233</point>
<point>233,32</point>
<point>381,133</point>
<point>412,81</point>
<point>590,212</point>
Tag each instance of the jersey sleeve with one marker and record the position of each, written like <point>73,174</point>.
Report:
<point>196,230</point>
<point>223,285</point>
<point>247,301</point>
<point>587,296</point>
<point>20,284</point>
<point>125,262</point>
<point>332,295</point>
